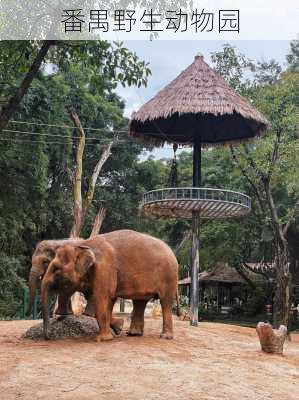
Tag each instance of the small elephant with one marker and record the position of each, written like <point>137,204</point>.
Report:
<point>122,263</point>
<point>41,258</point>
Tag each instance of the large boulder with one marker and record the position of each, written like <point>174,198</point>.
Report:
<point>70,326</point>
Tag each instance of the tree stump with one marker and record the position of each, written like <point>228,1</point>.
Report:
<point>271,340</point>
<point>78,303</point>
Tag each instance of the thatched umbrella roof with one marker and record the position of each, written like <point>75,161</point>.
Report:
<point>198,102</point>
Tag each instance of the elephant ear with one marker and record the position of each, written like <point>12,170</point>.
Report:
<point>85,258</point>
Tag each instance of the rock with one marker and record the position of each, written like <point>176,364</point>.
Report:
<point>271,340</point>
<point>70,326</point>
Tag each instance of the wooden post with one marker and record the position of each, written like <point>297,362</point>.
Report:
<point>194,296</point>
<point>195,269</point>
<point>122,305</point>
<point>25,303</point>
<point>230,300</point>
<point>218,297</point>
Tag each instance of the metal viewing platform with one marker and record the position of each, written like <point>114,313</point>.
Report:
<point>181,202</point>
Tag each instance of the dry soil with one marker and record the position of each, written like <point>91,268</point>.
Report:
<point>213,361</point>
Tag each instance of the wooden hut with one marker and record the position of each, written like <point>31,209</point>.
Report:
<point>220,287</point>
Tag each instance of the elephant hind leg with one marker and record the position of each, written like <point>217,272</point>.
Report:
<point>137,318</point>
<point>167,330</point>
<point>116,323</point>
<point>89,309</point>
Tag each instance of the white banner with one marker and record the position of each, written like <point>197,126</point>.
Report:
<point>142,20</point>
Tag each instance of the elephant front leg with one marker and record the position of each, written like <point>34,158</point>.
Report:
<point>137,318</point>
<point>117,325</point>
<point>103,316</point>
<point>64,305</point>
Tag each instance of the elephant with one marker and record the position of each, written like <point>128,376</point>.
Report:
<point>41,258</point>
<point>122,263</point>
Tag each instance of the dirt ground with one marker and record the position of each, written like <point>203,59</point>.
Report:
<point>213,361</point>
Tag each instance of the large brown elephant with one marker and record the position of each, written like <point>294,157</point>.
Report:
<point>122,263</point>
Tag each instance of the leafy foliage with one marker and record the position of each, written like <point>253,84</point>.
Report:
<point>36,170</point>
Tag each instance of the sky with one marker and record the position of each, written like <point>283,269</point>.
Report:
<point>168,58</point>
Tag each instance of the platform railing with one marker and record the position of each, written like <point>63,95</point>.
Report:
<point>191,193</point>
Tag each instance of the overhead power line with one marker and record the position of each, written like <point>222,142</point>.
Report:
<point>56,135</point>
<point>116,144</point>
<point>41,141</point>
<point>66,126</point>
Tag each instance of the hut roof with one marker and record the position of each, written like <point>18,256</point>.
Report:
<point>222,273</point>
<point>198,102</point>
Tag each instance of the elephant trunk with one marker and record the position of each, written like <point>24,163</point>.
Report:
<point>33,278</point>
<point>45,308</point>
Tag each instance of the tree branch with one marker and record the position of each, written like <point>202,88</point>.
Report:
<point>260,271</point>
<point>274,156</point>
<point>93,180</point>
<point>9,109</point>
<point>240,271</point>
<point>98,222</point>
<point>291,218</point>
<point>275,219</point>
<point>186,237</point>
<point>252,163</point>
<point>250,181</point>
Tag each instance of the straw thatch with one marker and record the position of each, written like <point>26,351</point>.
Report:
<point>222,273</point>
<point>198,102</point>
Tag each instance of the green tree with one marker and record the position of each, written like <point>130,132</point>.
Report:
<point>23,60</point>
<point>270,168</point>
<point>36,168</point>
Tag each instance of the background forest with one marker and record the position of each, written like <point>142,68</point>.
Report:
<point>37,167</point>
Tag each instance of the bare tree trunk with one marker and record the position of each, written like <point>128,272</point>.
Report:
<point>94,177</point>
<point>282,297</point>
<point>81,207</point>
<point>98,222</point>
<point>77,188</point>
<point>9,109</point>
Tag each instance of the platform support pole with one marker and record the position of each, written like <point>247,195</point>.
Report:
<point>194,294</point>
